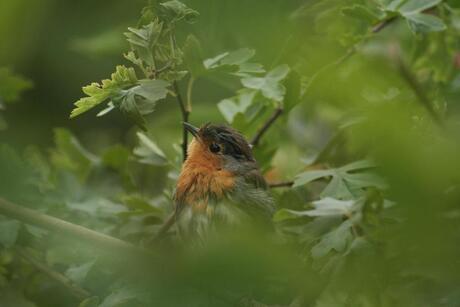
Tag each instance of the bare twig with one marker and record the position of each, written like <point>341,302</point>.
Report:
<point>185,115</point>
<point>75,289</point>
<point>282,184</point>
<point>382,25</point>
<point>64,228</point>
<point>256,139</point>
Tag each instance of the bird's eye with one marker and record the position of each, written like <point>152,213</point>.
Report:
<point>214,147</point>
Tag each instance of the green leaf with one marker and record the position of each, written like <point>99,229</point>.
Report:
<point>126,296</point>
<point>362,12</point>
<point>70,155</point>
<point>193,57</point>
<point>230,107</point>
<point>12,86</point>
<point>336,239</point>
<point>234,62</point>
<point>270,86</point>
<point>9,232</point>
<point>97,93</point>
<point>174,11</point>
<point>347,181</point>
<point>78,273</point>
<point>293,91</point>
<point>148,152</point>
<point>324,207</point>
<point>422,23</point>
<point>90,302</point>
<point>143,41</point>
<point>417,6</point>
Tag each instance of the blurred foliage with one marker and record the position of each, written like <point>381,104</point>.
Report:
<point>368,144</point>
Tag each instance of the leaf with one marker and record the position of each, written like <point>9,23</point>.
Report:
<point>363,13</point>
<point>234,62</point>
<point>78,273</point>
<point>143,41</point>
<point>148,152</point>
<point>193,57</point>
<point>230,107</point>
<point>270,85</point>
<point>71,155</point>
<point>141,99</point>
<point>12,86</point>
<point>422,23</point>
<point>126,296</point>
<point>9,232</point>
<point>417,6</point>
<point>97,93</point>
<point>347,181</point>
<point>90,302</point>
<point>336,239</point>
<point>293,91</point>
<point>174,11</point>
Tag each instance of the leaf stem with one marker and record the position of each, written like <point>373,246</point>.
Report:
<point>185,115</point>
<point>260,133</point>
<point>191,81</point>
<point>75,289</point>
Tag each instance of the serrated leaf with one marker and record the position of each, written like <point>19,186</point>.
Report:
<point>336,239</point>
<point>12,85</point>
<point>234,62</point>
<point>174,11</point>
<point>347,181</point>
<point>148,152</point>
<point>270,85</point>
<point>97,93</point>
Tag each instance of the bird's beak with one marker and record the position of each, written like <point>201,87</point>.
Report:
<point>192,129</point>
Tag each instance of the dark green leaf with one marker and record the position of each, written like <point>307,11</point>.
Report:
<point>421,23</point>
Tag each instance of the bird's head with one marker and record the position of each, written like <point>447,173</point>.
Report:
<point>218,146</point>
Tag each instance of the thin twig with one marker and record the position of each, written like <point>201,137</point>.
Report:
<point>382,25</point>
<point>75,289</point>
<point>65,228</point>
<point>282,184</point>
<point>256,139</point>
<point>185,114</point>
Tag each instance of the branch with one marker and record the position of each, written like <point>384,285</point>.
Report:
<point>282,184</point>
<point>185,114</point>
<point>75,289</point>
<point>256,139</point>
<point>382,25</point>
<point>64,228</point>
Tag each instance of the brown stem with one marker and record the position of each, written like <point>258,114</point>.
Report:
<point>382,25</point>
<point>75,289</point>
<point>256,139</point>
<point>282,184</point>
<point>185,115</point>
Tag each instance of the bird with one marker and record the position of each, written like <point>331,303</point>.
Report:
<point>220,183</point>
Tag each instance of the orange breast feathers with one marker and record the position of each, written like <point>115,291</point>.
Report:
<point>202,176</point>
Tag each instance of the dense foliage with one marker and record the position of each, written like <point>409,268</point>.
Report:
<point>351,107</point>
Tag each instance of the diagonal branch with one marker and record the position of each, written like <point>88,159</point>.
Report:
<point>75,289</point>
<point>185,115</point>
<point>260,133</point>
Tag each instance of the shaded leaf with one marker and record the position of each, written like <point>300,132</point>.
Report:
<point>148,152</point>
<point>270,85</point>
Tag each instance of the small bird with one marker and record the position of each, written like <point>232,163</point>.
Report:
<point>220,182</point>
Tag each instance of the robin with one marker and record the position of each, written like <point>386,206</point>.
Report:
<point>220,182</point>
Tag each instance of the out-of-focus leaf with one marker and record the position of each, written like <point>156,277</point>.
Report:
<point>193,57</point>
<point>174,11</point>
<point>148,152</point>
<point>71,155</point>
<point>324,207</point>
<point>116,157</point>
<point>78,273</point>
<point>337,240</point>
<point>347,181</point>
<point>90,302</point>
<point>11,86</point>
<point>234,62</point>
<point>97,93</point>
<point>417,6</point>
<point>363,13</point>
<point>8,232</point>
<point>231,106</point>
<point>126,296</point>
<point>293,91</point>
<point>270,86</point>
<point>420,23</point>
